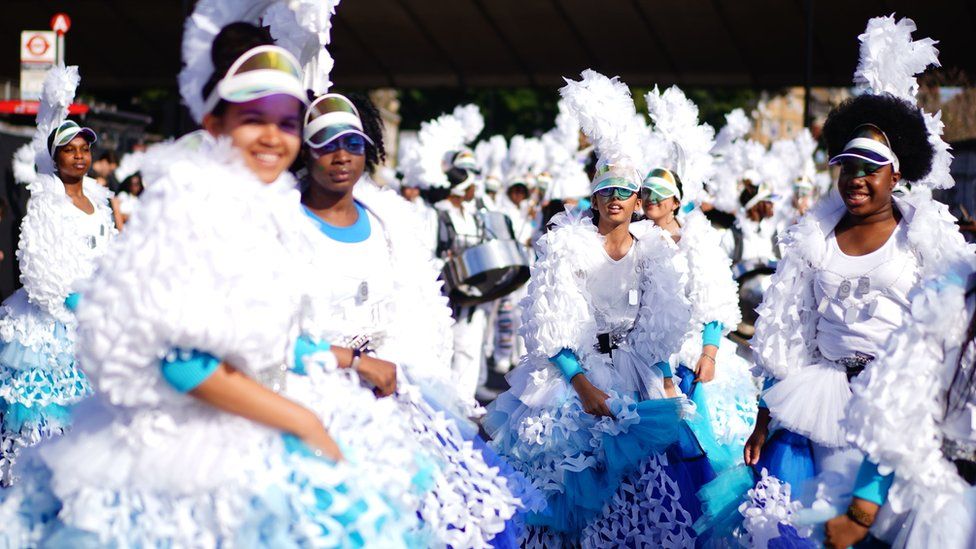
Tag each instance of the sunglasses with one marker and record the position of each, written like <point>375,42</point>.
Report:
<point>352,143</point>
<point>653,196</point>
<point>619,192</point>
<point>859,168</point>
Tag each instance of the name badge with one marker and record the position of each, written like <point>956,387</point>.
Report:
<point>632,297</point>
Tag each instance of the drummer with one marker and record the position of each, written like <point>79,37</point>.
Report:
<point>457,231</point>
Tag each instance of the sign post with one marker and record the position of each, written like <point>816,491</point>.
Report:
<point>37,55</point>
<point>60,24</point>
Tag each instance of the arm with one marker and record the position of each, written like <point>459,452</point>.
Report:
<point>870,493</point>
<point>760,432</point>
<point>233,392</point>
<point>594,400</point>
<point>206,378</point>
<point>711,339</point>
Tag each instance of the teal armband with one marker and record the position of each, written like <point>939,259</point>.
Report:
<point>567,363</point>
<point>767,383</point>
<point>712,333</point>
<point>665,368</point>
<point>72,301</point>
<point>305,346</point>
<point>871,485</point>
<point>188,370</point>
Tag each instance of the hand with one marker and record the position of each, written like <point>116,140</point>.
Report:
<point>754,444</point>
<point>842,532</point>
<point>594,401</point>
<point>669,390</point>
<point>381,373</point>
<point>705,369</point>
<point>319,439</point>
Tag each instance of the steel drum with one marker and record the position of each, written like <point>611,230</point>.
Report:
<point>495,267</point>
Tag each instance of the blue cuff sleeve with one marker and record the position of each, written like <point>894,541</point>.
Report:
<point>188,370</point>
<point>305,346</point>
<point>567,363</point>
<point>71,302</point>
<point>870,484</point>
<point>665,368</point>
<point>712,333</point>
<point>767,383</point>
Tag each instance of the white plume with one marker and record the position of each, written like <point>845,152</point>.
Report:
<point>130,164</point>
<point>491,156</point>
<point>688,143</point>
<point>23,164</point>
<point>606,114</point>
<point>304,27</point>
<point>890,59</point>
<point>471,120</point>
<point>60,84</point>
<point>737,126</point>
<point>424,165</point>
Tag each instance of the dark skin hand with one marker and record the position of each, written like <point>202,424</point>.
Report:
<point>73,161</point>
<point>754,444</point>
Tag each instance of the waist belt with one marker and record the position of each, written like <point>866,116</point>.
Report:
<point>606,343</point>
<point>854,365</point>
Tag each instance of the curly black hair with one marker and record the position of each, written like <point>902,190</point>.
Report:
<point>373,127</point>
<point>230,43</point>
<point>901,121</point>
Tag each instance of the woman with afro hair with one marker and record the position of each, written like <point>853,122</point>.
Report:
<point>842,288</point>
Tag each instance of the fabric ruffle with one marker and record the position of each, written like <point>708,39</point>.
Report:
<point>899,399</point>
<point>713,293</point>
<point>54,256</point>
<point>812,402</point>
<point>576,459</point>
<point>645,511</point>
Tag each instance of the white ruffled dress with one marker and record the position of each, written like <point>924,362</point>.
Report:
<point>590,468</point>
<point>209,264</point>
<point>39,377</point>
<point>898,414</point>
<point>385,288</point>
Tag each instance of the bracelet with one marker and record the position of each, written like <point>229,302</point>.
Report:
<point>354,364</point>
<point>859,517</point>
<point>703,355</point>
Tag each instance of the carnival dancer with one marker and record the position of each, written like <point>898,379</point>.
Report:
<point>842,289</point>
<point>376,290</point>
<point>724,415</point>
<point>190,325</point>
<point>912,414</point>
<point>67,227</point>
<point>585,413</point>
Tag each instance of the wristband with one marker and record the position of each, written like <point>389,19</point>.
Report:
<point>712,333</point>
<point>567,363</point>
<point>185,371</point>
<point>859,517</point>
<point>354,363</point>
<point>305,346</point>
<point>72,301</point>
<point>665,368</point>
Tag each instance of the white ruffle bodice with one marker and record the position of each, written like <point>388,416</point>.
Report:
<point>59,243</point>
<point>185,276</point>
<point>861,298</point>
<point>614,286</point>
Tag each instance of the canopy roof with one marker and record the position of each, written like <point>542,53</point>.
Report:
<point>125,45</point>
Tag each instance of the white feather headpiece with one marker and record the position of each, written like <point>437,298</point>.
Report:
<point>889,62</point>
<point>606,114</point>
<point>491,156</point>
<point>471,121</point>
<point>301,26</point>
<point>737,126</point>
<point>57,93</point>
<point>688,143</point>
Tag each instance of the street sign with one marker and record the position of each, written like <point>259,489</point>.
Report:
<point>38,53</point>
<point>60,23</point>
<point>37,47</point>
